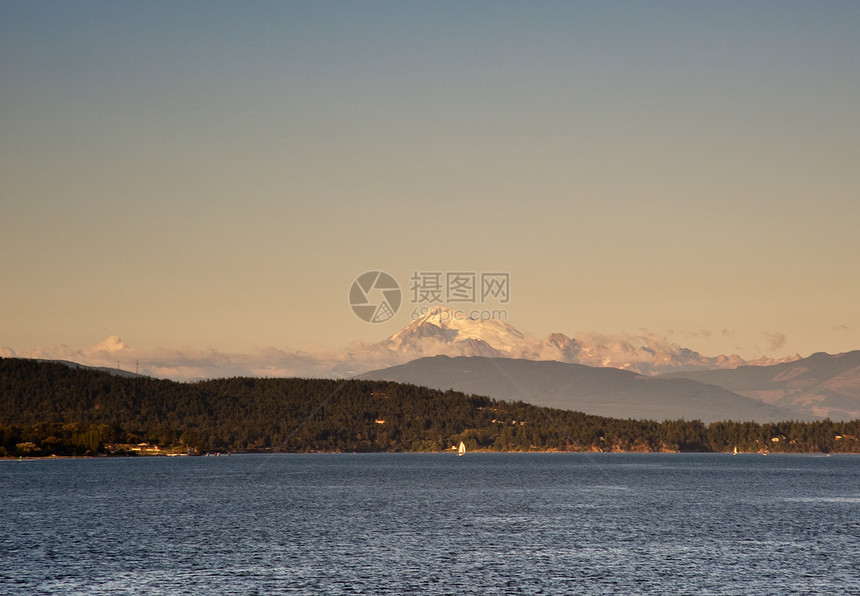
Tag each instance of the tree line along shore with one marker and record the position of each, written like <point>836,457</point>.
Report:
<point>51,409</point>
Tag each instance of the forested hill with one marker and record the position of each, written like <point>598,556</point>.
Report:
<point>49,408</point>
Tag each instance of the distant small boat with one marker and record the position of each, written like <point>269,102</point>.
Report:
<point>461,450</point>
<point>735,451</point>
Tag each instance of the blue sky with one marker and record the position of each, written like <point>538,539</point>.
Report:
<point>215,175</point>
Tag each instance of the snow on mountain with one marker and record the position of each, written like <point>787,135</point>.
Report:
<point>441,331</point>
<point>451,326</point>
<point>450,332</point>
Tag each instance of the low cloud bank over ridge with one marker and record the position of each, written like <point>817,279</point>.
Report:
<point>442,331</point>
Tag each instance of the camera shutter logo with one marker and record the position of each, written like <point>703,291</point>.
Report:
<point>374,296</point>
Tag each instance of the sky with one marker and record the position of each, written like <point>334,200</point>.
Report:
<point>211,177</point>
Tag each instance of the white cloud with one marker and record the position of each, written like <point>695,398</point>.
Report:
<point>192,364</point>
<point>111,345</point>
<point>645,352</point>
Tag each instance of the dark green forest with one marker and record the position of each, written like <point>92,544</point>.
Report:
<point>53,409</point>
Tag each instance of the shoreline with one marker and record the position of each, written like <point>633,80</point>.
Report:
<point>447,451</point>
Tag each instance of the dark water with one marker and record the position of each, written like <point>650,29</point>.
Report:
<point>432,524</point>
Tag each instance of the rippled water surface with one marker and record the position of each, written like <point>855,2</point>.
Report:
<point>432,524</point>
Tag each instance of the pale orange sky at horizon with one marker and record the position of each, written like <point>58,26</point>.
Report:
<point>213,178</point>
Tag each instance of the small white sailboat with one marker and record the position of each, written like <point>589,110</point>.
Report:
<point>735,451</point>
<point>461,450</point>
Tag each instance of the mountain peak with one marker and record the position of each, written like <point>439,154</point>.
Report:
<point>452,332</point>
<point>439,315</point>
<point>449,326</point>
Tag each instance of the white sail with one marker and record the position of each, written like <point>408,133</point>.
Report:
<point>461,450</point>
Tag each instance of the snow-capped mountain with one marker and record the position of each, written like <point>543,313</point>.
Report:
<point>445,328</point>
<point>450,332</point>
<point>440,332</point>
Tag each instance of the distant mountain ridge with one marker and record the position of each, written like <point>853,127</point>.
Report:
<point>50,408</point>
<point>827,385</point>
<point>105,369</point>
<point>601,391</point>
<point>450,332</point>
<point>441,331</point>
